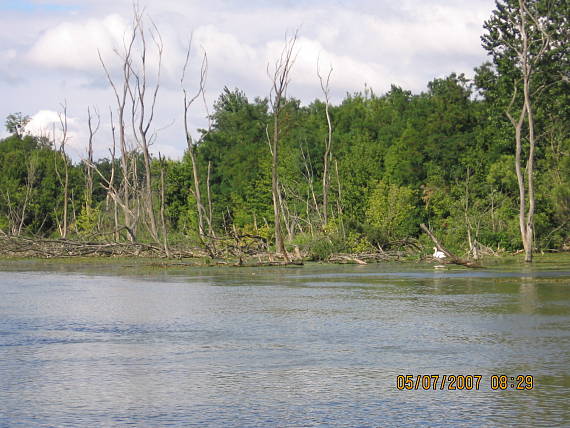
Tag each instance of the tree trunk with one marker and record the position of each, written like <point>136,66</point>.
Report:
<point>280,82</point>
<point>279,244</point>
<point>328,146</point>
<point>527,58</point>
<point>188,101</point>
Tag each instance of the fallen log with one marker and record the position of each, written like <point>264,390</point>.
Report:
<point>342,258</point>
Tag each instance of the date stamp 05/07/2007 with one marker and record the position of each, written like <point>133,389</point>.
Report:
<point>464,382</point>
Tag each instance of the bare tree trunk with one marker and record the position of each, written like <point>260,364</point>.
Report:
<point>136,209</point>
<point>328,145</point>
<point>116,194</point>
<point>471,241</point>
<point>124,194</point>
<point>527,59</point>
<point>140,120</point>
<point>89,164</point>
<point>285,213</point>
<point>112,181</point>
<point>526,219</point>
<point>210,211</point>
<point>280,79</point>
<point>279,245</point>
<point>529,226</point>
<point>188,101</point>
<point>65,180</point>
<point>162,204</point>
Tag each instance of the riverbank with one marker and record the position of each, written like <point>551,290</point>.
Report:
<point>541,261</point>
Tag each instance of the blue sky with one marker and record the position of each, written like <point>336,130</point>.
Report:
<point>33,6</point>
<point>48,51</point>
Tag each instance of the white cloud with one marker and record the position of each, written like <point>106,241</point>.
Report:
<point>49,124</point>
<point>74,45</point>
<point>44,123</point>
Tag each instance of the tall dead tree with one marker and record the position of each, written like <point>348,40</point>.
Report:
<point>112,152</point>
<point>209,195</point>
<point>328,143</point>
<point>124,194</point>
<point>280,78</point>
<point>93,128</point>
<point>529,52</point>
<point>63,181</point>
<point>143,106</point>
<point>136,92</point>
<point>162,207</point>
<point>189,99</point>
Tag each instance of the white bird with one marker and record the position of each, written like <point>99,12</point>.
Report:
<point>438,254</point>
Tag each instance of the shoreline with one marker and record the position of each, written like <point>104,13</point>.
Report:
<point>172,263</point>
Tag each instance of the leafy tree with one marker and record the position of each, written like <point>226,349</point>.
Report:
<point>519,38</point>
<point>16,124</point>
<point>392,213</point>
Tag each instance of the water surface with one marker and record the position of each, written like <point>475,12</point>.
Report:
<point>310,346</point>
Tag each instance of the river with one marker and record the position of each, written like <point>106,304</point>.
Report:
<point>305,346</point>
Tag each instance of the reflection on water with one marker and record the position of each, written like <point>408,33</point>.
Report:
<point>306,346</point>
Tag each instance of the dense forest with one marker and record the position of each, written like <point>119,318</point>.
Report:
<point>484,163</point>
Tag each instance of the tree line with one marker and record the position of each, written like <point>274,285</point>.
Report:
<point>483,162</point>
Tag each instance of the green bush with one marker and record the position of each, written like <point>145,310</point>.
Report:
<point>391,213</point>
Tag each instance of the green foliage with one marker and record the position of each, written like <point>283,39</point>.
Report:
<point>391,213</point>
<point>29,184</point>
<point>320,247</point>
<point>358,243</point>
<point>87,219</point>
<point>16,124</point>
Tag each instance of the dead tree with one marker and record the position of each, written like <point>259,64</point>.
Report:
<point>143,107</point>
<point>192,144</point>
<point>123,196</point>
<point>89,164</point>
<point>280,78</point>
<point>328,143</point>
<point>112,180</point>
<point>136,92</point>
<point>63,181</point>
<point>162,205</point>
<point>116,194</point>
<point>471,240</point>
<point>210,208</point>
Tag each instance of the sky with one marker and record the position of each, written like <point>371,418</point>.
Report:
<point>49,54</point>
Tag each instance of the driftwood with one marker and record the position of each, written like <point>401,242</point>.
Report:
<point>344,258</point>
<point>11,246</point>
<point>242,263</point>
<point>365,258</point>
<point>17,246</point>
<point>450,258</point>
<point>238,250</point>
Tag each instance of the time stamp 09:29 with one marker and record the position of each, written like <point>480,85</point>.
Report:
<point>464,382</point>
